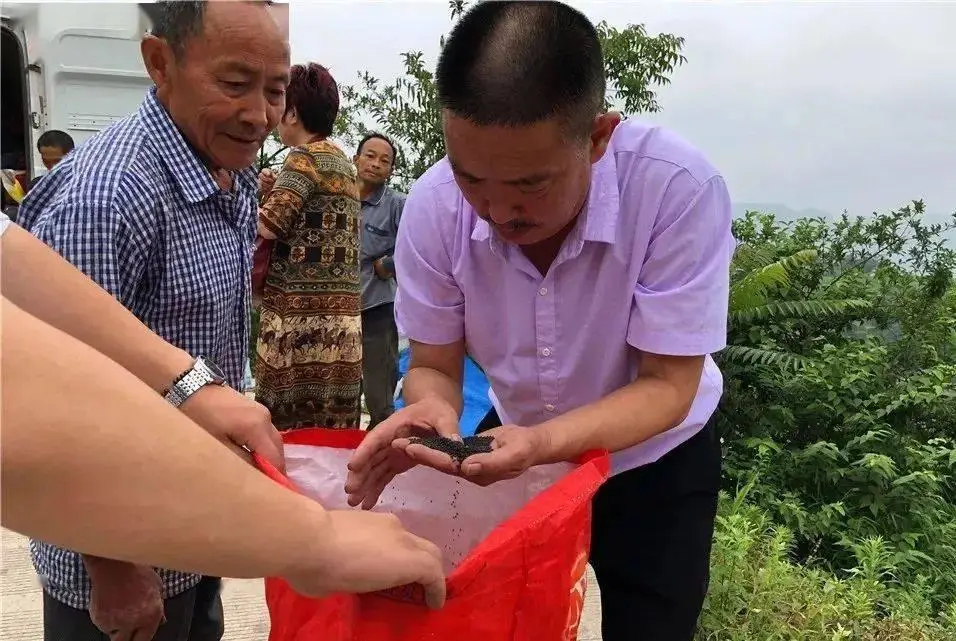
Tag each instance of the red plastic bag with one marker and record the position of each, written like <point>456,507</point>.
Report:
<point>515,552</point>
<point>261,257</point>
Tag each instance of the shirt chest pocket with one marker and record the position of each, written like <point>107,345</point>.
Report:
<point>377,241</point>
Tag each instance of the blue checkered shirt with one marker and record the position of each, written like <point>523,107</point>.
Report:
<point>136,210</point>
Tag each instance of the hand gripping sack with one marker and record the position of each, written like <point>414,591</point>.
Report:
<point>515,552</point>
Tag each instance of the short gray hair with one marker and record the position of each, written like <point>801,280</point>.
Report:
<point>175,21</point>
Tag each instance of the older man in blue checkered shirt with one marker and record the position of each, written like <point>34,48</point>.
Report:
<point>160,210</point>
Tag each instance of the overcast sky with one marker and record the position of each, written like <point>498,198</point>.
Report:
<point>848,105</point>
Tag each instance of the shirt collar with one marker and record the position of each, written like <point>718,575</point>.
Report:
<point>598,220</point>
<point>247,179</point>
<point>375,198</point>
<point>190,175</point>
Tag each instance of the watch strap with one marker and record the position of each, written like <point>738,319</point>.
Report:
<point>190,382</point>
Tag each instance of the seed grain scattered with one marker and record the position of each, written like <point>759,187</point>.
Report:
<point>458,450</point>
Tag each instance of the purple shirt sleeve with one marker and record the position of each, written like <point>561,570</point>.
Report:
<point>680,301</point>
<point>429,306</point>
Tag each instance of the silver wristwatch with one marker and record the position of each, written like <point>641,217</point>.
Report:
<point>203,372</point>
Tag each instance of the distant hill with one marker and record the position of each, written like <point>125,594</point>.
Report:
<point>787,214</point>
<point>783,213</point>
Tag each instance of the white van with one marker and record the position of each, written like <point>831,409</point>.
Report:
<point>72,66</point>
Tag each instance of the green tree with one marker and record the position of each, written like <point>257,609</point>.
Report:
<point>406,109</point>
<point>840,388</point>
<point>757,278</point>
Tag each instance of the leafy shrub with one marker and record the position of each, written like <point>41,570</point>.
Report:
<point>757,593</point>
<point>841,390</point>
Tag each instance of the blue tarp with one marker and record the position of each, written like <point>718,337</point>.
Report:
<point>477,403</point>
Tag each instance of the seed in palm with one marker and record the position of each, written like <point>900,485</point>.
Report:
<point>458,450</point>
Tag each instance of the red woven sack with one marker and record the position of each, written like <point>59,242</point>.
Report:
<point>516,552</point>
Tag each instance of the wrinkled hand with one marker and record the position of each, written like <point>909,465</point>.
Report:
<point>384,452</point>
<point>126,600</point>
<point>515,449</point>
<point>366,552</point>
<point>236,421</point>
<point>267,180</point>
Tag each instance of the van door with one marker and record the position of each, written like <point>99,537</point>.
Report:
<point>22,80</point>
<point>83,68</point>
<point>92,65</point>
<point>16,132</point>
<point>15,97</point>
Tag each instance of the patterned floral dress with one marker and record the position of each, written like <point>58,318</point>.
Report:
<point>309,356</point>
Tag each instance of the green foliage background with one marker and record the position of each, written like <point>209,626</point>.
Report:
<point>840,409</point>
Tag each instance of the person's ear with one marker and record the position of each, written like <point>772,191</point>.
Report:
<point>159,60</point>
<point>601,130</point>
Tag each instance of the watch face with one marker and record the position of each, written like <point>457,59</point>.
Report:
<point>213,368</point>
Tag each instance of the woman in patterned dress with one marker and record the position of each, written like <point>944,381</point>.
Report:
<point>308,365</point>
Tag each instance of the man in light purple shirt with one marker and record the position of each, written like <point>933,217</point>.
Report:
<point>584,262</point>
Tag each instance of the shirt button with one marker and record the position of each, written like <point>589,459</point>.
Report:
<point>543,291</point>
<point>549,407</point>
<point>546,351</point>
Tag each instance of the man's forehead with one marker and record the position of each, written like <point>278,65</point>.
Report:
<point>246,41</point>
<point>377,145</point>
<point>515,173</point>
<point>280,13</point>
<point>512,155</point>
